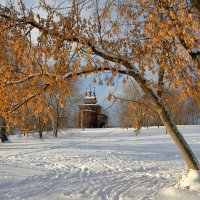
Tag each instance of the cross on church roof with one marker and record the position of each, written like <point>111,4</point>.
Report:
<point>90,91</point>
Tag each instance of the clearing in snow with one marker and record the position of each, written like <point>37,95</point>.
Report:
<point>105,164</point>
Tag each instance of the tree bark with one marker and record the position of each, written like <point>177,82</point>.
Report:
<point>55,132</point>
<point>55,127</point>
<point>40,134</point>
<point>3,135</point>
<point>40,127</point>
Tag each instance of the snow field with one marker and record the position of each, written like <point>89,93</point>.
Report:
<point>104,164</point>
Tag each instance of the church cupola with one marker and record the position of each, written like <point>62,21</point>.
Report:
<point>90,97</point>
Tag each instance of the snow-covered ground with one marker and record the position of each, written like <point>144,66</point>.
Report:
<point>111,163</point>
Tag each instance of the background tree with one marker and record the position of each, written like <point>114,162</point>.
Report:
<point>137,111</point>
<point>57,111</point>
<point>3,131</point>
<point>63,107</point>
<point>191,111</point>
<point>40,126</point>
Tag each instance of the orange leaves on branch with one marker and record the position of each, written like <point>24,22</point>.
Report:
<point>89,51</point>
<point>110,81</point>
<point>150,67</point>
<point>76,49</point>
<point>143,32</point>
<point>89,63</point>
<point>105,64</point>
<point>100,82</point>
<point>109,97</point>
<point>115,28</point>
<point>124,81</point>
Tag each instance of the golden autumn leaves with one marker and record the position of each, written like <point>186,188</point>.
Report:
<point>157,37</point>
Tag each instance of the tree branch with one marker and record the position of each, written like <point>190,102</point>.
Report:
<point>28,99</point>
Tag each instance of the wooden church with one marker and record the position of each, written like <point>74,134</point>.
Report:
<point>90,113</point>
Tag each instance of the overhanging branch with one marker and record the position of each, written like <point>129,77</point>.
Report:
<point>28,99</point>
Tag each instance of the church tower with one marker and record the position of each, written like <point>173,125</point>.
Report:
<point>90,115</point>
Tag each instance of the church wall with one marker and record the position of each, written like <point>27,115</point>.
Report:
<point>90,115</point>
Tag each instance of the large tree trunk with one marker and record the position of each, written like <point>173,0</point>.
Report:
<point>175,134</point>
<point>185,150</point>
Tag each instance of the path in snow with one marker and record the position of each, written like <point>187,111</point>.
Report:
<point>93,164</point>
